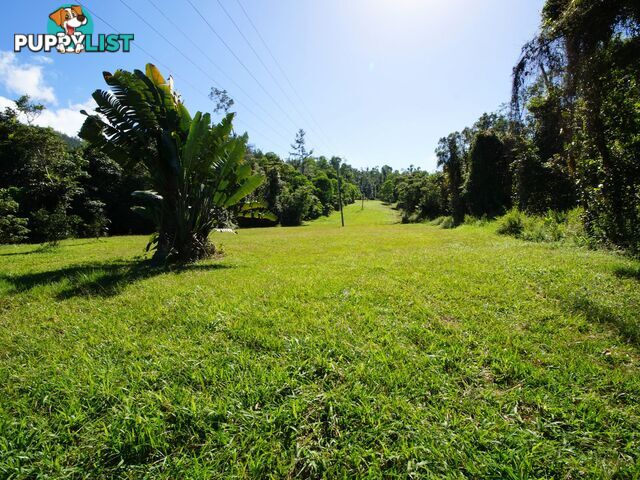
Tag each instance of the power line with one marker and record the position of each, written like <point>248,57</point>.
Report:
<point>241,62</point>
<point>251,99</point>
<point>282,71</point>
<point>257,55</point>
<point>165,67</point>
<point>204,72</point>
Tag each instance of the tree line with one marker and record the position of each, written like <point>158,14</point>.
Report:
<point>306,187</point>
<point>569,138</point>
<point>53,186</point>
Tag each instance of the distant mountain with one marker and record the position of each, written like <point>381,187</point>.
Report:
<point>72,142</point>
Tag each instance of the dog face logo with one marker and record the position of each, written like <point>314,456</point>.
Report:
<point>69,18</point>
<point>71,24</point>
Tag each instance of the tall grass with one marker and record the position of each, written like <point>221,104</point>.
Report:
<point>551,227</point>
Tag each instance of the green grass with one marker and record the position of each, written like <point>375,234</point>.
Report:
<point>373,213</point>
<point>377,350</point>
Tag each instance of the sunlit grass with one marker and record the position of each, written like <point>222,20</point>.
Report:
<point>375,350</point>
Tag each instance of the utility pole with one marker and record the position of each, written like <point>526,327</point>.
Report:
<point>340,196</point>
<point>335,161</point>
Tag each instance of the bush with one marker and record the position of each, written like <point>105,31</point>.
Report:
<point>296,206</point>
<point>408,217</point>
<point>475,221</point>
<point>13,229</point>
<point>575,226</point>
<point>448,222</point>
<point>53,226</point>
<point>551,227</point>
<point>512,223</point>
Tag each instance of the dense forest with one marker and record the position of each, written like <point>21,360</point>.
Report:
<point>569,139</point>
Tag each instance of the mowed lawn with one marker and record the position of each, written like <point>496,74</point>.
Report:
<point>377,350</point>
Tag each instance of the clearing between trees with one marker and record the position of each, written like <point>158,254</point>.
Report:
<point>380,349</point>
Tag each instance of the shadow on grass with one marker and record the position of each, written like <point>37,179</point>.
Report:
<point>40,249</point>
<point>14,254</point>
<point>99,279</point>
<point>48,247</point>
<point>628,328</point>
<point>628,272</point>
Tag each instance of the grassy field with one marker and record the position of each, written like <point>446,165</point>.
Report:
<point>378,350</point>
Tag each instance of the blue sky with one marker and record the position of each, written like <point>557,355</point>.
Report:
<point>380,80</point>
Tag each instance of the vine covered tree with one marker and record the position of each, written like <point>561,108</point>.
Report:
<point>451,159</point>
<point>587,56</point>
<point>487,188</point>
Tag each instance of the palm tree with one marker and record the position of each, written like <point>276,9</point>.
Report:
<point>197,168</point>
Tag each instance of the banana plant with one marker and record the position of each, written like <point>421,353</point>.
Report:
<point>196,167</point>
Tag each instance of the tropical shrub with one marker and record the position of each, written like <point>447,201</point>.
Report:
<point>196,168</point>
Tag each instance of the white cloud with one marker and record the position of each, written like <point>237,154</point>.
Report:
<point>5,102</point>
<point>66,120</point>
<point>42,59</point>
<point>24,78</point>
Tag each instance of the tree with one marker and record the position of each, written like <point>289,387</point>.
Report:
<point>388,191</point>
<point>46,179</point>
<point>324,192</point>
<point>109,183</point>
<point>13,229</point>
<point>297,205</point>
<point>487,189</point>
<point>385,171</point>
<point>222,100</point>
<point>196,168</point>
<point>543,179</point>
<point>589,53</point>
<point>299,153</point>
<point>449,153</point>
<point>30,110</point>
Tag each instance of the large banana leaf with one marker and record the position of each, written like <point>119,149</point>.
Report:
<point>197,169</point>
<point>246,188</point>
